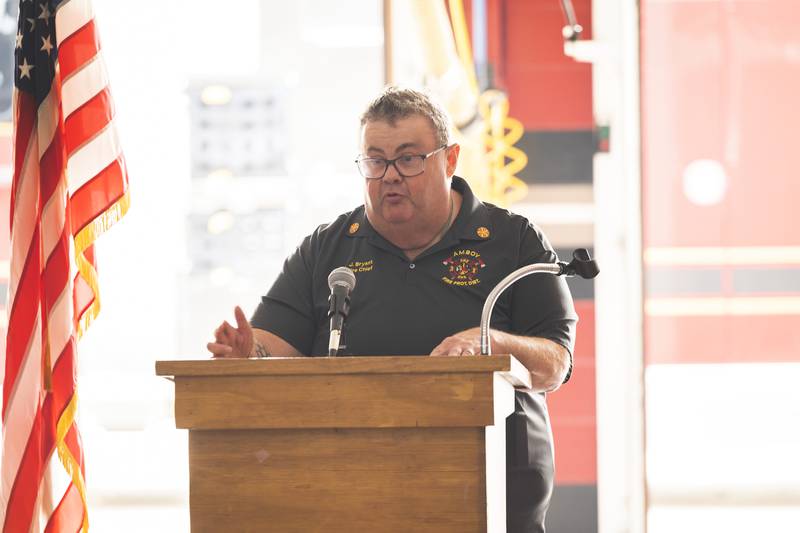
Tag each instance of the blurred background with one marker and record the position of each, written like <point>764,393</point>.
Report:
<point>657,133</point>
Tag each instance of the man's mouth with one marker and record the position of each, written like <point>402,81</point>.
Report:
<point>392,196</point>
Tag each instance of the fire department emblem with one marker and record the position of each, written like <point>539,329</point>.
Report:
<point>354,227</point>
<point>463,268</point>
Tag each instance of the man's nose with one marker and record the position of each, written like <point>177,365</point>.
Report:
<point>392,175</point>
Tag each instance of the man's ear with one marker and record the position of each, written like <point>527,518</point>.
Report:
<point>452,159</point>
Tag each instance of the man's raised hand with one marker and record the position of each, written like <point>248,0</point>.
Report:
<point>232,341</point>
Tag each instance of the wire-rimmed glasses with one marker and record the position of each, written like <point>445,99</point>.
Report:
<point>407,165</point>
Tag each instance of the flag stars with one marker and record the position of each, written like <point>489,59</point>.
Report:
<point>46,45</point>
<point>19,40</point>
<point>25,69</point>
<point>32,23</point>
<point>45,14</point>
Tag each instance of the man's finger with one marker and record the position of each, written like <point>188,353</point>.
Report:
<point>229,331</point>
<point>223,334</point>
<point>441,349</point>
<point>241,321</point>
<point>218,349</point>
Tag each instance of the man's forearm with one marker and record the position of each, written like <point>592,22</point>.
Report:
<point>271,345</point>
<point>547,361</point>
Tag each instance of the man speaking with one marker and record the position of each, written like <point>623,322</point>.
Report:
<point>426,253</point>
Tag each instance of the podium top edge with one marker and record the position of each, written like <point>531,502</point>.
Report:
<point>276,366</point>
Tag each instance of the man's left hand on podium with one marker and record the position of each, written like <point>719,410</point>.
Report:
<point>467,342</point>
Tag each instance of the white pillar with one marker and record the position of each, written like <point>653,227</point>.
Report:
<point>614,53</point>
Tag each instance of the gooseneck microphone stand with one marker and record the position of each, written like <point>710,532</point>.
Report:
<point>581,265</point>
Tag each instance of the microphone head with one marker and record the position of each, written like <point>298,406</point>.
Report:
<point>342,276</point>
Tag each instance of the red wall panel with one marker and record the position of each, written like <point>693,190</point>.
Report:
<point>572,409</point>
<point>720,80</point>
<point>547,90</point>
<point>723,339</point>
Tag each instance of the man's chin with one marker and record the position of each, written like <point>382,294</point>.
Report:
<point>395,217</point>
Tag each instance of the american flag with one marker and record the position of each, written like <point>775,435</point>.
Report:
<point>69,186</point>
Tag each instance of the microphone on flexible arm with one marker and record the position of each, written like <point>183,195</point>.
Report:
<point>581,265</point>
<point>341,281</point>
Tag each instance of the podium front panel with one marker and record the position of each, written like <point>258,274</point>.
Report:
<point>339,480</point>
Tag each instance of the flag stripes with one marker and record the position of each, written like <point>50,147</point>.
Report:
<point>72,16</point>
<point>70,186</point>
<point>78,49</point>
<point>84,123</point>
<point>107,188</point>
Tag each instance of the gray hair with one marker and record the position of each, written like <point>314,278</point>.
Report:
<point>396,103</point>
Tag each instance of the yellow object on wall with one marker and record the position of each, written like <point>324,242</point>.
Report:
<point>505,159</point>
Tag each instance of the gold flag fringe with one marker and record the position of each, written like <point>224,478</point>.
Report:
<point>71,464</point>
<point>89,274</point>
<point>102,223</point>
<point>83,240</point>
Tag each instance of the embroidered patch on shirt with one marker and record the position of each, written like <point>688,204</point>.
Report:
<point>463,268</point>
<point>361,266</point>
<point>353,228</point>
<point>483,232</point>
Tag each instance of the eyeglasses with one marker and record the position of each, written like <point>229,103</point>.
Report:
<point>408,166</point>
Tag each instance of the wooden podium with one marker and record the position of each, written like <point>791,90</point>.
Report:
<point>346,444</point>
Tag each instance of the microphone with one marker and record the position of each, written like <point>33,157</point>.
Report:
<point>581,265</point>
<point>341,281</point>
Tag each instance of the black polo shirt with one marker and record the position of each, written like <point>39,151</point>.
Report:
<point>403,307</point>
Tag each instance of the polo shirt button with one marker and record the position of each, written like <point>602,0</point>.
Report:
<point>412,266</point>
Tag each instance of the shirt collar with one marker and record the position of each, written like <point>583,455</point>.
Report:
<point>473,222</point>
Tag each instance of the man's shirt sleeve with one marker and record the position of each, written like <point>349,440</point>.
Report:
<point>287,310</point>
<point>541,304</point>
